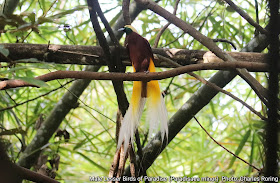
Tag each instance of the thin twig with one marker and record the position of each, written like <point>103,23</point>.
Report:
<point>224,147</point>
<point>246,17</point>
<point>225,41</point>
<point>165,26</point>
<point>257,16</point>
<point>115,164</point>
<point>173,41</point>
<point>18,104</point>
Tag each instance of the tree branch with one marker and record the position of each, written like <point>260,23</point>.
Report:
<point>225,41</point>
<point>244,15</point>
<point>272,127</point>
<point>32,176</point>
<point>94,55</point>
<point>125,9</point>
<point>135,76</point>
<point>11,172</point>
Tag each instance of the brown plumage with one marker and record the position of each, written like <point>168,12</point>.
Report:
<point>140,54</point>
<point>140,51</point>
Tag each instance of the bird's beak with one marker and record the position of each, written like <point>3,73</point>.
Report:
<point>121,29</point>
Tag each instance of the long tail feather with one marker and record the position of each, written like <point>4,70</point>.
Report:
<point>156,110</point>
<point>132,117</point>
<point>156,113</point>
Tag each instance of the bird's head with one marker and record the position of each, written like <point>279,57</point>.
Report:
<point>128,29</point>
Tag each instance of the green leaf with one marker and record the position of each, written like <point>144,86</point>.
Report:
<point>44,20</point>
<point>213,109</point>
<point>4,51</point>
<point>252,152</point>
<point>14,69</point>
<point>89,140</point>
<point>79,144</point>
<point>93,163</point>
<point>240,147</point>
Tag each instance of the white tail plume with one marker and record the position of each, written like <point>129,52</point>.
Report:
<point>157,117</point>
<point>130,123</point>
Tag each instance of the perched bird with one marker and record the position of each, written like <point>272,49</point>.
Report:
<point>142,59</point>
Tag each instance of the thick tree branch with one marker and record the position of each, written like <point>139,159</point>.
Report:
<point>32,176</point>
<point>115,52</point>
<point>94,55</point>
<point>99,34</point>
<point>10,172</point>
<point>125,8</point>
<point>272,127</point>
<point>258,67</point>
